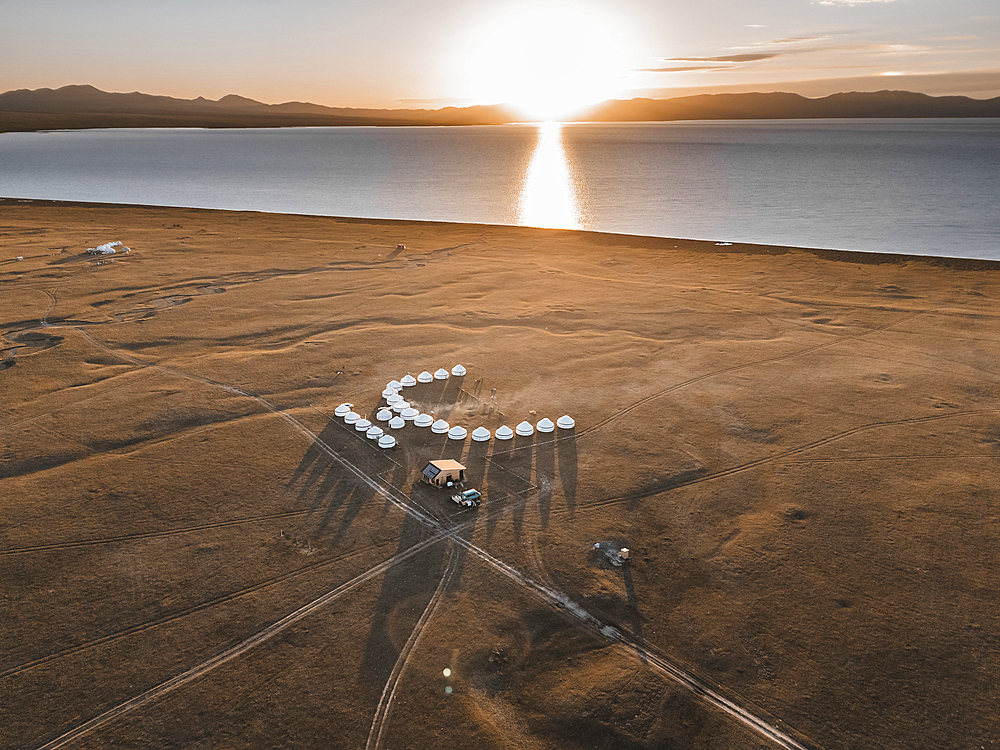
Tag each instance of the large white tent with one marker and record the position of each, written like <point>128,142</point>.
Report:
<point>374,432</point>
<point>423,420</point>
<point>457,433</point>
<point>566,422</point>
<point>408,380</point>
<point>480,434</point>
<point>458,371</point>
<point>440,426</point>
<point>524,429</point>
<point>545,425</point>
<point>409,413</point>
<point>425,377</point>
<point>341,411</point>
<point>351,417</point>
<point>504,433</point>
<point>362,425</point>
<point>384,415</point>
<point>397,422</point>
<point>387,441</point>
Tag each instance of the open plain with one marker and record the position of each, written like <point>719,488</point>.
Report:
<point>799,447</point>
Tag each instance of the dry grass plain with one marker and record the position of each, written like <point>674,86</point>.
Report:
<point>800,447</point>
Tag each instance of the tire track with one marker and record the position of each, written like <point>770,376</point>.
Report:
<point>234,651</point>
<point>201,606</point>
<point>381,717</point>
<point>776,457</point>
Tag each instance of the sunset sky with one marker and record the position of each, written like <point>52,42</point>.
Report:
<point>558,54</point>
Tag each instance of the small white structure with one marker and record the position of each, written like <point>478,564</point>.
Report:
<point>408,380</point>
<point>524,429</point>
<point>393,398</point>
<point>425,377</point>
<point>362,425</point>
<point>397,423</point>
<point>480,434</point>
<point>440,426</point>
<point>341,411</point>
<point>458,371</point>
<point>441,374</point>
<point>409,413</point>
<point>457,433</point>
<point>400,406</point>
<point>566,422</point>
<point>387,441</point>
<point>351,417</point>
<point>374,432</point>
<point>384,415</point>
<point>423,420</point>
<point>504,433</point>
<point>108,248</point>
<point>545,425</point>
<point>389,392</point>
<point>395,385</point>
<point>625,553</point>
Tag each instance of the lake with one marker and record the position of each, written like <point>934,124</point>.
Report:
<point>928,187</point>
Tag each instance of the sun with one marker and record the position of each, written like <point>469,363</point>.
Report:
<point>548,60</point>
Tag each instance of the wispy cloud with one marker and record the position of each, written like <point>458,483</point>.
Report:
<point>681,69</point>
<point>748,57</point>
<point>850,2</point>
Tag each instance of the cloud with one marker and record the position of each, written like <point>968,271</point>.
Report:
<point>680,69</point>
<point>749,57</point>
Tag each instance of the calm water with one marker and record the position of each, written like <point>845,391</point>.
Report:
<point>918,186</point>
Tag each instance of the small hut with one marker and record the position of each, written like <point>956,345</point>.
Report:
<point>443,472</point>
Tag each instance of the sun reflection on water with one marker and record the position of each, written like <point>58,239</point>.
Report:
<point>548,197</point>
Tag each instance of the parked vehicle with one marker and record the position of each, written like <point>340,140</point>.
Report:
<point>467,498</point>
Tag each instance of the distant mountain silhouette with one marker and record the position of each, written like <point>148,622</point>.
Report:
<point>89,107</point>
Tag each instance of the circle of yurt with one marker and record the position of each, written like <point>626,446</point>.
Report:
<point>524,429</point>
<point>423,420</point>
<point>545,425</point>
<point>440,426</point>
<point>566,422</point>
<point>425,377</point>
<point>384,415</point>
<point>457,433</point>
<point>458,371</point>
<point>387,441</point>
<point>441,374</point>
<point>351,417</point>
<point>504,433</point>
<point>374,432</point>
<point>397,422</point>
<point>341,411</point>
<point>480,434</point>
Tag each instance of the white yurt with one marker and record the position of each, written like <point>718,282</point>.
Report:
<point>374,432</point>
<point>387,441</point>
<point>395,385</point>
<point>566,422</point>
<point>389,392</point>
<point>395,398</point>
<point>504,433</point>
<point>351,417</point>
<point>408,380</point>
<point>423,420</point>
<point>409,413</point>
<point>458,371</point>
<point>341,411</point>
<point>362,425</point>
<point>384,415</point>
<point>397,422</point>
<point>457,433</point>
<point>441,374</point>
<point>425,377</point>
<point>440,426</point>
<point>400,406</point>
<point>545,425</point>
<point>524,429</point>
<point>480,434</point>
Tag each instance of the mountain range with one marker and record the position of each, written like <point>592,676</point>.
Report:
<point>74,107</point>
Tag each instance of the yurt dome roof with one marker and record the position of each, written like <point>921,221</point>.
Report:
<point>425,377</point>
<point>408,380</point>
<point>524,429</point>
<point>504,433</point>
<point>409,413</point>
<point>441,374</point>
<point>384,415</point>
<point>480,434</point>
<point>440,426</point>
<point>351,417</point>
<point>362,425</point>
<point>387,441</point>
<point>374,431</point>
<point>342,410</point>
<point>458,370</point>
<point>423,420</point>
<point>566,422</point>
<point>397,422</point>
<point>457,433</point>
<point>545,425</point>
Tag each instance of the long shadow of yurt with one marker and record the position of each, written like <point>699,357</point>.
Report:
<point>566,450</point>
<point>450,396</point>
<point>633,606</point>
<point>512,469</point>
<point>406,590</point>
<point>545,472</point>
<point>475,464</point>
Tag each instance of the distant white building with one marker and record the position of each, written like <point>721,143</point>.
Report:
<point>108,248</point>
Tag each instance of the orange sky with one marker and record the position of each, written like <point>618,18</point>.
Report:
<point>543,54</point>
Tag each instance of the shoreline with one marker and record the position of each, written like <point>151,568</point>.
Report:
<point>652,242</point>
